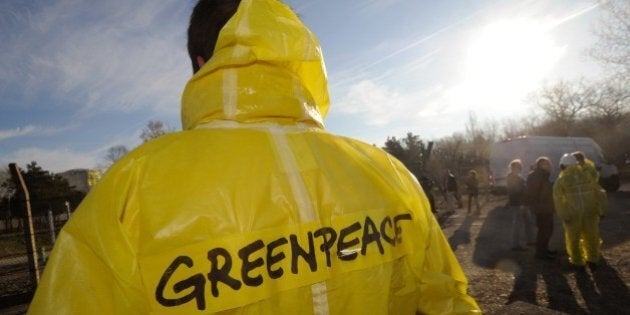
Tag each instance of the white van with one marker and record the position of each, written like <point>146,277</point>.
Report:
<point>528,149</point>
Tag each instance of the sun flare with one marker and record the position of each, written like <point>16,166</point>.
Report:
<point>507,60</point>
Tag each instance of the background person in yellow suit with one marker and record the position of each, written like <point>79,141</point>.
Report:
<point>576,198</point>
<point>253,208</point>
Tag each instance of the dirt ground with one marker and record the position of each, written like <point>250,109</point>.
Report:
<point>498,276</point>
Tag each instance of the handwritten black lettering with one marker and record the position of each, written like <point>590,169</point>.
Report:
<point>248,265</point>
<point>370,236</point>
<point>297,251</point>
<point>329,235</point>
<point>397,228</point>
<point>387,238</point>
<point>273,259</point>
<point>349,241</point>
<point>222,273</point>
<point>197,281</point>
<point>342,245</point>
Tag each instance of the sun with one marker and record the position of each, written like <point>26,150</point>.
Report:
<point>507,59</point>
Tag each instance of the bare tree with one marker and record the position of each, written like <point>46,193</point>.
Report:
<point>115,153</point>
<point>449,153</point>
<point>564,103</point>
<point>479,140</point>
<point>519,126</point>
<point>613,34</point>
<point>491,130</point>
<point>599,110</point>
<point>612,102</point>
<point>473,131</point>
<point>511,128</point>
<point>154,129</point>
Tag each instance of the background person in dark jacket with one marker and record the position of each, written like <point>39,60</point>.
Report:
<point>522,222</point>
<point>539,197</point>
<point>472,189</point>
<point>450,191</point>
<point>427,185</point>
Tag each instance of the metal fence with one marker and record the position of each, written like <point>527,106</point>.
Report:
<point>26,238</point>
<point>19,268</point>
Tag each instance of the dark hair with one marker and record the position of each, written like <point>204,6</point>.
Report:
<point>206,21</point>
<point>516,164</point>
<point>541,160</point>
<point>579,155</point>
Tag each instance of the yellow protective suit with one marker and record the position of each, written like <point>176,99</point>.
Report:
<point>254,208</point>
<point>578,202</point>
<point>589,168</point>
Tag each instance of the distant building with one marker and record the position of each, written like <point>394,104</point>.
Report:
<point>82,179</point>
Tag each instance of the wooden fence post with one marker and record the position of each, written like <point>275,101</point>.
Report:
<point>29,233</point>
<point>51,225</point>
<point>67,211</point>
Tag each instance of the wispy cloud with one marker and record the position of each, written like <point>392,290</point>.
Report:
<point>105,55</point>
<point>16,132</point>
<point>379,105</point>
<point>32,130</point>
<point>393,49</point>
<point>375,6</point>
<point>577,13</point>
<point>421,62</point>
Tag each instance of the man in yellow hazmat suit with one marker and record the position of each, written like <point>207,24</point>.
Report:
<point>253,208</point>
<point>576,199</point>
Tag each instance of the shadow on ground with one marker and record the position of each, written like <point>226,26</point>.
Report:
<point>461,236</point>
<point>600,291</point>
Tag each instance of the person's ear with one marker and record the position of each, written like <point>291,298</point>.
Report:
<point>200,61</point>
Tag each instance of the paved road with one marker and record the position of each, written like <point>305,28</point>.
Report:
<point>498,276</point>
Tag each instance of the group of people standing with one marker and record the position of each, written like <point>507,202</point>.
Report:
<point>452,194</point>
<point>575,197</point>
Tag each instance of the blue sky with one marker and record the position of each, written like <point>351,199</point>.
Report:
<point>78,76</point>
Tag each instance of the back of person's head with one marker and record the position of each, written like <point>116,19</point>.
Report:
<point>206,21</point>
<point>472,173</point>
<point>516,165</point>
<point>541,161</point>
<point>567,160</point>
<point>579,156</point>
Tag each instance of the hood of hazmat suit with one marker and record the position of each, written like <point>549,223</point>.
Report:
<point>591,170</point>
<point>254,208</point>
